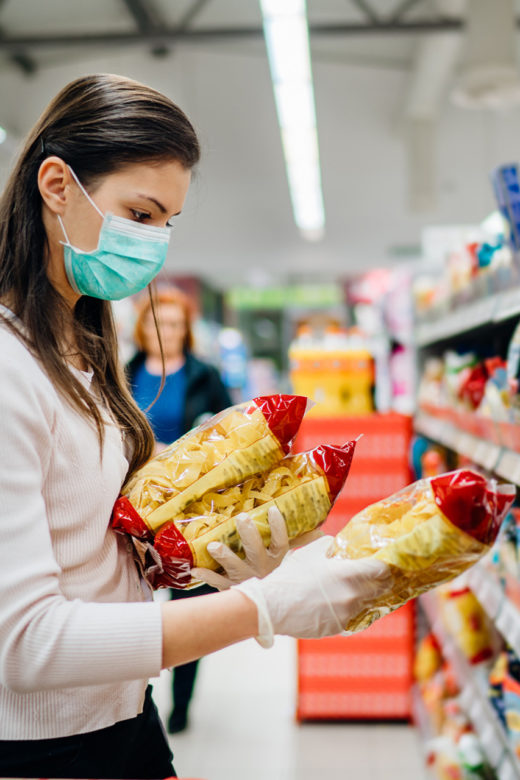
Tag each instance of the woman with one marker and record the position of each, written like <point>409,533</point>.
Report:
<point>192,391</point>
<point>84,219</point>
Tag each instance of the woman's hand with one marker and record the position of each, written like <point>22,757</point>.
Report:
<point>313,595</point>
<point>258,561</point>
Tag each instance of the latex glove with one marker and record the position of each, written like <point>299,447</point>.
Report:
<point>311,595</point>
<point>259,560</point>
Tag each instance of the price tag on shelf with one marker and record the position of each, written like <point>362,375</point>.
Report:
<point>486,454</point>
<point>482,311</point>
<point>487,590</point>
<point>487,731</point>
<point>508,305</point>
<point>507,770</point>
<point>508,466</point>
<point>430,426</point>
<point>508,623</point>
<point>466,443</point>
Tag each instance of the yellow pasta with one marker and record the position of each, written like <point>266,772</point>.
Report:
<point>298,486</point>
<point>427,534</point>
<point>232,445</point>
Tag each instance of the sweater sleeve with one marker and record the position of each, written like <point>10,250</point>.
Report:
<point>47,641</point>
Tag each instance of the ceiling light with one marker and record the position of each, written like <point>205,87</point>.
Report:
<point>287,41</point>
<point>3,134</point>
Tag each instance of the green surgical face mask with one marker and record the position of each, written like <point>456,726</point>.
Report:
<point>128,256</point>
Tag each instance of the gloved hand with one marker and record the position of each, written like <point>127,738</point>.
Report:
<point>311,595</point>
<point>259,560</point>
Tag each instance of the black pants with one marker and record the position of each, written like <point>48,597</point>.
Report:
<point>134,748</point>
<point>184,676</point>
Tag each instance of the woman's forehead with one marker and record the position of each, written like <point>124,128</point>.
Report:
<point>167,311</point>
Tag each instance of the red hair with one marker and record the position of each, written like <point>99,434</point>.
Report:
<point>162,296</point>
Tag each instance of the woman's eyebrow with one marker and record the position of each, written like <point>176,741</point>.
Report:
<point>160,206</point>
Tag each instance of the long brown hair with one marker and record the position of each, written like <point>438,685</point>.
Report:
<point>97,124</point>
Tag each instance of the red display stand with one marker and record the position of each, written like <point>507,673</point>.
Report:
<point>367,675</point>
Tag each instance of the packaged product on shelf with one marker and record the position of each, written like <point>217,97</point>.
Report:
<point>505,559</point>
<point>435,692</point>
<point>473,759</point>
<point>508,546</point>
<point>226,449</point>
<point>513,663</point>
<point>427,534</point>
<point>511,432</point>
<point>335,367</point>
<point>428,658</point>
<point>457,369</point>
<point>496,685</point>
<point>434,462</point>
<point>494,402</point>
<point>302,486</point>
<point>445,762</point>
<point>511,695</point>
<point>472,386</point>
<point>467,623</point>
<point>402,373</point>
<point>506,188</point>
<point>431,393</point>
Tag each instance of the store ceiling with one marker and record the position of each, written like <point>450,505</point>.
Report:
<point>209,56</point>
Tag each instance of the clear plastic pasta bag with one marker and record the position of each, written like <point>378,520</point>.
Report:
<point>222,451</point>
<point>303,487</point>
<point>225,450</point>
<point>428,533</point>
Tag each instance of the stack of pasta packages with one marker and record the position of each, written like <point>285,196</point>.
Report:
<point>240,460</point>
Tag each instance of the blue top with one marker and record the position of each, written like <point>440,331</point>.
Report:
<point>167,414</point>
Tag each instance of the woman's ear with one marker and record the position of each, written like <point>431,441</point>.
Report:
<point>54,183</point>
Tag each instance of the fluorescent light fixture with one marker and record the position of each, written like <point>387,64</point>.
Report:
<point>287,40</point>
<point>3,134</point>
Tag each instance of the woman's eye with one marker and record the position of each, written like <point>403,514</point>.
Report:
<point>140,216</point>
<point>170,223</point>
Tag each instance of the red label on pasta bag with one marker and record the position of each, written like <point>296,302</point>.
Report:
<point>473,504</point>
<point>126,519</point>
<point>335,462</point>
<point>176,556</point>
<point>283,414</point>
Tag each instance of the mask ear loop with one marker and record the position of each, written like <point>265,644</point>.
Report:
<point>67,239</point>
<point>85,193</point>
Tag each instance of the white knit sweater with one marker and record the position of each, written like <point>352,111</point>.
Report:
<point>76,646</point>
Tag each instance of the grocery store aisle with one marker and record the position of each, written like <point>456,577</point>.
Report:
<point>242,726</point>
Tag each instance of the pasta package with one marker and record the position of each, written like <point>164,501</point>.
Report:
<point>226,449</point>
<point>302,486</point>
<point>428,533</point>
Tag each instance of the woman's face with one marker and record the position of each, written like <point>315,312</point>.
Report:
<point>147,193</point>
<point>172,325</point>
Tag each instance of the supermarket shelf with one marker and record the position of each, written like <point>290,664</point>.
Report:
<point>486,311</point>
<point>500,460</point>
<point>474,701</point>
<point>500,609</point>
<point>503,462</point>
<point>420,717</point>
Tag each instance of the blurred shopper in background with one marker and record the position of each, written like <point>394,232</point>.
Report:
<point>192,391</point>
